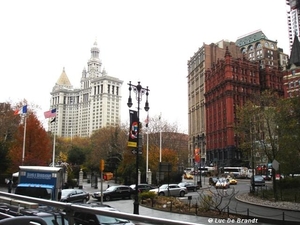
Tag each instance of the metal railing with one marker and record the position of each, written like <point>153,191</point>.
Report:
<point>70,208</point>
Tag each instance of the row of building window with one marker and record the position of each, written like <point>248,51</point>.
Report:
<point>250,48</point>
<point>111,89</point>
<point>294,93</point>
<point>242,71</point>
<point>294,83</point>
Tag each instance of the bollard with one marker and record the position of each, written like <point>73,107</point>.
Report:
<point>189,199</point>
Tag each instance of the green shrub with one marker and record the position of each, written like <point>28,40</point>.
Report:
<point>206,202</point>
<point>289,182</point>
<point>147,194</point>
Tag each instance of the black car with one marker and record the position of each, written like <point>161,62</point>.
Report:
<point>85,218</point>
<point>266,177</point>
<point>49,215</point>
<point>143,187</point>
<point>23,220</point>
<point>189,186</point>
<point>258,180</point>
<point>114,192</point>
<point>74,195</point>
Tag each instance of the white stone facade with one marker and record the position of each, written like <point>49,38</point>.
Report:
<point>96,104</point>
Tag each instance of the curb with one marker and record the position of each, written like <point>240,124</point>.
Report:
<point>264,205</point>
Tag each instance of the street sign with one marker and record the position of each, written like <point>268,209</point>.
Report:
<point>160,176</point>
<point>275,164</point>
<point>165,167</point>
<point>134,151</point>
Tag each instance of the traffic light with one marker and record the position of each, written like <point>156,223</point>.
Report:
<point>102,164</point>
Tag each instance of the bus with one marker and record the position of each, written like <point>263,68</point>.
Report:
<point>235,171</point>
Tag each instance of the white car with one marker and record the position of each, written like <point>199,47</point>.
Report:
<point>222,183</point>
<point>170,190</point>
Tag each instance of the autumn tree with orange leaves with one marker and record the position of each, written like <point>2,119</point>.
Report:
<point>9,124</point>
<point>38,146</point>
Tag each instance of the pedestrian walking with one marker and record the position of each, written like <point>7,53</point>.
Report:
<point>9,185</point>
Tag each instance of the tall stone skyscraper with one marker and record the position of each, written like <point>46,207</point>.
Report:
<point>96,104</point>
<point>293,18</point>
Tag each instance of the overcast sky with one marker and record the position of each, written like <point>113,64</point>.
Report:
<point>146,41</point>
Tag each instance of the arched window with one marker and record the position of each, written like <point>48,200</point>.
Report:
<point>258,46</point>
<point>250,48</point>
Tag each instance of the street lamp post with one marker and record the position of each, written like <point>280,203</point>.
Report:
<point>252,159</point>
<point>200,152</point>
<point>139,91</point>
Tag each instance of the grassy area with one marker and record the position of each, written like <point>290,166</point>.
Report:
<point>289,195</point>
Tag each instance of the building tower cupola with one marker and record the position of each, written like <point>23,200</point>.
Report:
<point>94,63</point>
<point>63,82</point>
<point>95,51</point>
<point>84,73</point>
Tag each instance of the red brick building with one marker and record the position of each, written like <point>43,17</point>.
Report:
<point>204,58</point>
<point>230,83</point>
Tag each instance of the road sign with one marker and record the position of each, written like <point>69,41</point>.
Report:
<point>275,164</point>
<point>134,151</point>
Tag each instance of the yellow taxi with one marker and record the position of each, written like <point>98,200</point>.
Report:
<point>188,176</point>
<point>232,181</point>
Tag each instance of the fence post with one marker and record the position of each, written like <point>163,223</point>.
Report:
<point>189,199</point>
<point>283,217</point>
<point>247,213</point>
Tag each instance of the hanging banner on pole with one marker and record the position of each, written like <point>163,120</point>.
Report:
<point>197,155</point>
<point>133,129</point>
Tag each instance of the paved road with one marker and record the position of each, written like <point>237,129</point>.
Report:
<point>235,206</point>
<point>127,207</point>
<point>264,214</point>
<point>257,211</point>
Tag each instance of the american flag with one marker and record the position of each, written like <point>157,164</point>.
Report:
<point>50,114</point>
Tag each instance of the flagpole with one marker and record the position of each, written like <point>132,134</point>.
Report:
<point>160,139</point>
<point>54,142</point>
<point>53,155</point>
<point>159,170</point>
<point>50,114</point>
<point>24,141</point>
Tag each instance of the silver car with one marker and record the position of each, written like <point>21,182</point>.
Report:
<point>170,190</point>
